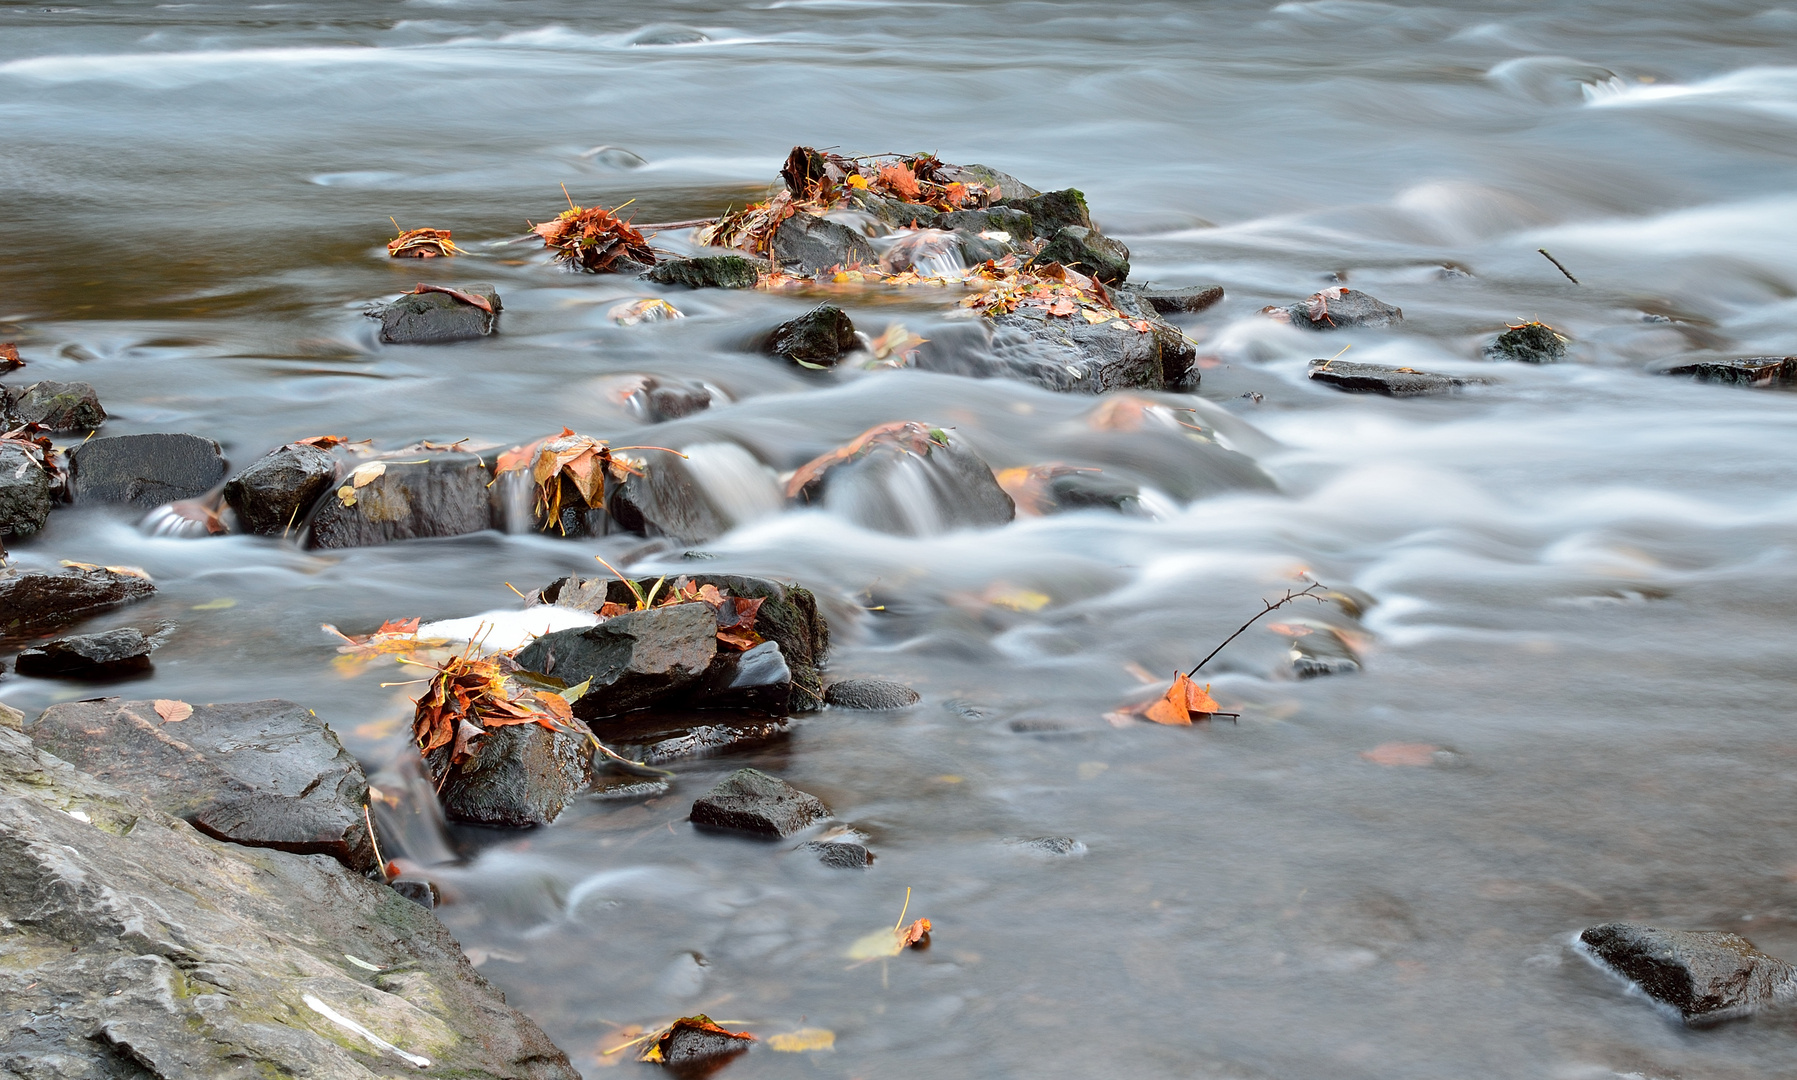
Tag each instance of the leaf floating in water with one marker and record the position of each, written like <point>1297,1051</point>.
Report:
<point>802,1040</point>
<point>1183,700</point>
<point>632,312</point>
<point>1401,753</point>
<point>172,711</point>
<point>893,940</point>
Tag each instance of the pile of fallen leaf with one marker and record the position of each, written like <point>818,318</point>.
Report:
<point>469,696</point>
<point>569,469</point>
<point>594,239</point>
<point>1054,289</point>
<point>30,438</point>
<point>422,244</point>
<point>9,357</point>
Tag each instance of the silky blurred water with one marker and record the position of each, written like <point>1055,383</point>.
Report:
<point>1582,577</point>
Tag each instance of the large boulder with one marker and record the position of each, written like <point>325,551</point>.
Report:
<point>1335,309</point>
<point>632,661</point>
<point>36,600</point>
<point>816,339</point>
<point>1742,371</point>
<point>431,318</point>
<point>139,947</point>
<point>709,272</point>
<point>1389,381</point>
<point>1054,211</point>
<point>57,406</point>
<point>144,470</point>
<point>751,801</point>
<point>521,775</point>
<point>1070,354</point>
<point>24,491</point>
<point>274,494</point>
<point>809,244</point>
<point>260,773</point>
<point>1088,251</point>
<point>407,496</point>
<point>124,651</point>
<point>1707,975</point>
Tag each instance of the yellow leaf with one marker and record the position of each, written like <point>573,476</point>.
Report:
<point>858,181</point>
<point>220,604</point>
<point>1094,317</point>
<point>797,1042</point>
<point>367,474</point>
<point>1018,599</point>
<point>346,495</point>
<point>883,942</point>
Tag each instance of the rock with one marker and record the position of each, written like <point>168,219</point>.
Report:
<point>1322,652</point>
<point>716,487</point>
<point>1531,343</point>
<point>1081,489</point>
<point>1056,847</point>
<point>808,243</point>
<point>1054,211</point>
<point>89,656</point>
<point>817,338</point>
<point>1009,186</point>
<point>1181,301</point>
<point>870,694</point>
<point>260,773</point>
<point>1009,220</point>
<point>660,736</point>
<point>694,1050</point>
<point>414,495</point>
<point>522,775</point>
<point>58,406</point>
<point>908,479</point>
<point>1333,309</point>
<point>841,854</point>
<point>709,272</point>
<point>634,660</point>
<point>1745,371</point>
<point>422,893</point>
<point>11,718</point>
<point>35,600</point>
<point>274,494</point>
<point>138,947</point>
<point>144,470</point>
<point>431,318</point>
<point>897,213</point>
<point>24,491</point>
<point>659,400</point>
<point>749,800</point>
<point>756,679</point>
<point>1089,252</point>
<point>1707,975</point>
<point>1390,381</point>
<point>1069,354</point>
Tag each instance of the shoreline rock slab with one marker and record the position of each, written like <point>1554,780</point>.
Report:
<point>139,947</point>
<point>1706,975</point>
<point>709,272</point>
<point>89,656</point>
<point>260,773</point>
<point>1389,381</point>
<point>33,600</point>
<point>1743,371</point>
<point>433,318</point>
<point>522,775</point>
<point>275,493</point>
<point>751,801</point>
<point>144,470</point>
<point>429,493</point>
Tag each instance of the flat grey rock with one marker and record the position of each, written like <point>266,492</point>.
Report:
<point>144,470</point>
<point>88,656</point>
<point>1185,301</point>
<point>1336,309</point>
<point>1743,371</point>
<point>808,243</point>
<point>433,318</point>
<point>870,694</point>
<point>1706,975</point>
<point>709,272</point>
<point>1389,381</point>
<point>633,661</point>
<point>419,495</point>
<point>37,600</point>
<point>751,801</point>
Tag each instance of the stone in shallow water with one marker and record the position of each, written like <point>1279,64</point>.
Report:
<point>1707,975</point>
<point>1334,309</point>
<point>633,660</point>
<point>32,600</point>
<point>817,338</point>
<point>709,272</point>
<point>841,854</point>
<point>522,775</point>
<point>261,773</point>
<point>89,656</point>
<point>751,801</point>
<point>1069,354</point>
<point>1054,211</point>
<point>24,492</point>
<point>433,317</point>
<point>1088,251</point>
<point>1057,847</point>
<point>807,244</point>
<point>1389,381</point>
<point>659,736</point>
<point>1009,187</point>
<point>1180,301</point>
<point>276,492</point>
<point>1744,371</point>
<point>416,495</point>
<point>144,470</point>
<point>870,694</point>
<point>58,406</point>
<point>1530,343</point>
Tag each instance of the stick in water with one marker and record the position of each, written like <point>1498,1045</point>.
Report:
<point>1556,262</point>
<point>1267,605</point>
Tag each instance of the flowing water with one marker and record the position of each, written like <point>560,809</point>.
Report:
<point>1579,581</point>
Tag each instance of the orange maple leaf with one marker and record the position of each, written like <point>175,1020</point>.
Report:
<point>1183,700</point>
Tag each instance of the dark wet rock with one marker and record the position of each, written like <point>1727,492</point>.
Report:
<point>1009,186</point>
<point>1745,371</point>
<point>1068,354</point>
<point>522,775</point>
<point>870,694</point>
<point>668,498</point>
<point>1334,309</point>
<point>692,1052</point>
<point>709,272</point>
<point>418,494</point>
<point>750,800</point>
<point>275,493</point>
<point>432,318</point>
<point>144,470</point>
<point>1054,211</point>
<point>808,243</point>
<point>817,338</point>
<point>1088,251</point>
<point>1085,489</point>
<point>661,735</point>
<point>1322,653</point>
<point>757,679</point>
<point>139,947</point>
<point>622,786</point>
<point>841,854</point>
<point>1707,975</point>
<point>1180,301</point>
<point>260,773</point>
<point>57,406</point>
<point>1390,381</point>
<point>34,600</point>
<point>422,893</point>
<point>24,492</point>
<point>909,479</point>
<point>1059,847</point>
<point>659,400</point>
<point>634,660</point>
<point>1009,220</point>
<point>1530,343</point>
<point>897,213</point>
<point>89,656</point>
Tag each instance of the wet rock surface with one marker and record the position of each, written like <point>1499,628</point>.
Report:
<point>817,338</point>
<point>757,679</point>
<point>1335,309</point>
<point>35,600</point>
<point>415,495</point>
<point>807,244</point>
<point>144,470</point>
<point>523,775</point>
<point>1530,343</point>
<point>56,406</point>
<point>662,735</point>
<point>1180,301</point>
<point>1054,211</point>
<point>1072,355</point>
<point>751,801</point>
<point>870,694</point>
<point>139,947</point>
<point>659,400</point>
<point>260,773</point>
<point>633,661</point>
<point>1088,251</point>
<point>709,272</point>
<point>1389,381</point>
<point>1053,847</point>
<point>1707,975</point>
<point>24,492</point>
<point>432,318</point>
<point>125,651</point>
<point>1015,223</point>
<point>913,481</point>
<point>841,854</point>
<point>274,494</point>
<point>1744,371</point>
<point>1009,187</point>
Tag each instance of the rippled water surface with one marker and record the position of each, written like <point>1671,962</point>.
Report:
<point>1581,579</point>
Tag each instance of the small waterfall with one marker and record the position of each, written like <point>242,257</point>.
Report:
<point>927,252</point>
<point>740,488</point>
<point>515,493</point>
<point>408,820</point>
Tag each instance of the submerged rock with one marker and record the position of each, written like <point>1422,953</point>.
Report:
<point>35,600</point>
<point>1054,211</point>
<point>633,661</point>
<point>1333,309</point>
<point>709,272</point>
<point>139,947</point>
<point>756,679</point>
<point>1088,251</point>
<point>24,491</point>
<point>658,400</point>
<point>841,854</point>
<point>1188,300</point>
<point>89,656</point>
<point>1069,354</point>
<point>870,694</point>
<point>1390,381</point>
<point>1744,371</point>
<point>275,493</point>
<point>1054,847</point>
<point>144,470</point>
<point>1530,343</point>
<point>808,243</point>
<point>57,406</point>
<point>1059,489</point>
<point>817,338</point>
<point>420,494</point>
<point>1707,975</point>
<point>261,773</point>
<point>751,801</point>
<point>522,775</point>
<point>431,318</point>
<point>905,478</point>
<point>661,736</point>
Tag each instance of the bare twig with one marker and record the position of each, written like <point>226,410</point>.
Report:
<point>664,226</point>
<point>1267,606</point>
<point>1556,262</point>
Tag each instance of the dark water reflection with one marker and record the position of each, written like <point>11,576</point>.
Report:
<point>1585,574</point>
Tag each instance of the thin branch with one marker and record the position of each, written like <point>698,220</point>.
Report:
<point>664,226</point>
<point>1556,262</point>
<point>1267,606</point>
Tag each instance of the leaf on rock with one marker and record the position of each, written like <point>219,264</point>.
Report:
<point>915,936</point>
<point>890,941</point>
<point>657,1051</point>
<point>474,299</point>
<point>9,357</point>
<point>323,442</point>
<point>468,697</point>
<point>570,461</point>
<point>594,239</point>
<point>632,312</point>
<point>1029,485</point>
<point>172,711</point>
